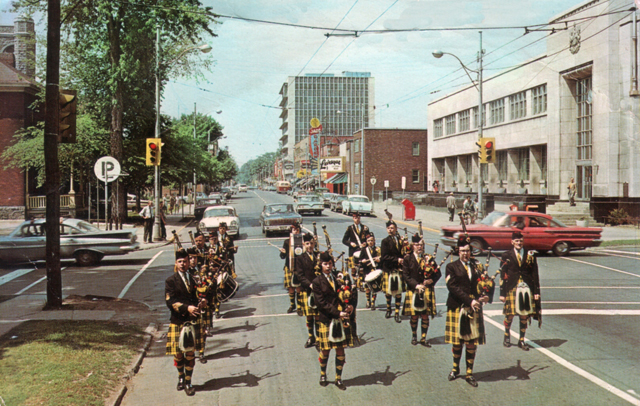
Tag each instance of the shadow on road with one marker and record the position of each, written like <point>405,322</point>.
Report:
<point>237,329</point>
<point>237,352</point>
<point>514,373</point>
<point>550,343</point>
<point>384,378</point>
<point>236,381</point>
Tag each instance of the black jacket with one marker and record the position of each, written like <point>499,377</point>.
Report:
<point>391,252</point>
<point>510,272</point>
<point>462,291</point>
<point>350,237</point>
<point>178,298</point>
<point>366,263</point>
<point>413,275</point>
<point>305,270</point>
<point>327,299</point>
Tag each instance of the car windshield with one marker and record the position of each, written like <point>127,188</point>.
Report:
<point>87,227</point>
<point>359,199</point>
<point>208,202</point>
<point>218,213</point>
<point>340,198</point>
<point>491,219</point>
<point>281,208</point>
<point>557,223</point>
<point>309,199</point>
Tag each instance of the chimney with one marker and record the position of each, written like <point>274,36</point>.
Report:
<point>25,46</point>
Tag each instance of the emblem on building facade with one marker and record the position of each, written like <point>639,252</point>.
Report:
<point>574,42</point>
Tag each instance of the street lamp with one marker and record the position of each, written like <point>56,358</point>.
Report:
<point>438,54</point>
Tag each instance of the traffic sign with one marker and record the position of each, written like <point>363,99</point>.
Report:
<point>373,180</point>
<point>107,169</point>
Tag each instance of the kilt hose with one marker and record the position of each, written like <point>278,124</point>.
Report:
<point>323,338</point>
<point>303,304</point>
<point>429,298</point>
<point>509,308</point>
<point>451,335</point>
<point>288,276</point>
<point>173,338</point>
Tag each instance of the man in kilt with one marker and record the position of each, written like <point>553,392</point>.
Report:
<point>367,267</point>
<point>421,274</point>
<point>286,254</point>
<point>217,258</point>
<point>391,250</point>
<point>305,271</point>
<point>355,238</point>
<point>206,288</point>
<point>229,247</point>
<point>518,266</point>
<point>182,300</point>
<point>331,307</point>
<point>462,280</point>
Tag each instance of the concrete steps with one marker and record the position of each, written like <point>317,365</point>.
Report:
<point>569,215</point>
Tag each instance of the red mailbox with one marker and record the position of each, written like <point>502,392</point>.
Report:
<point>409,211</point>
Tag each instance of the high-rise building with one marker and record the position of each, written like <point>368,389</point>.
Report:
<point>343,104</point>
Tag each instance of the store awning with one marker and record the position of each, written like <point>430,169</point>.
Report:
<point>338,178</point>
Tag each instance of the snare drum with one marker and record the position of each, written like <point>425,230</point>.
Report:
<point>227,287</point>
<point>374,280</point>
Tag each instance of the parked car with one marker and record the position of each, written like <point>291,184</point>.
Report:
<point>326,198</point>
<point>213,216</point>
<point>278,217</point>
<point>335,203</point>
<point>78,239</point>
<point>203,204</point>
<point>226,192</point>
<point>309,204</point>
<point>541,233</point>
<point>357,204</point>
<point>131,201</point>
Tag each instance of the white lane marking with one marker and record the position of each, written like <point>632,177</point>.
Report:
<point>260,297</point>
<point>599,303</point>
<point>601,266</point>
<point>606,386</point>
<point>44,278</point>
<point>619,252</point>
<point>617,255</point>
<point>15,274</point>
<point>144,268</point>
<point>254,317</point>
<point>582,312</point>
<point>590,287</point>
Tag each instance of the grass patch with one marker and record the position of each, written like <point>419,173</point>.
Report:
<point>65,362</point>
<point>614,243</point>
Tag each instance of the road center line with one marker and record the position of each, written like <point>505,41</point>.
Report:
<point>606,386</point>
<point>144,268</point>
<point>601,266</point>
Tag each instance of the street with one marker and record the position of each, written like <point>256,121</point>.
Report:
<point>583,354</point>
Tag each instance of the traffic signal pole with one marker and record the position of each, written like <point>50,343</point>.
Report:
<point>156,168</point>
<point>480,125</point>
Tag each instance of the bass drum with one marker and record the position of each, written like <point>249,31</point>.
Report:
<point>374,280</point>
<point>227,287</point>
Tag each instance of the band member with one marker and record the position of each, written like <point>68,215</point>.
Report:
<point>182,301</point>
<point>305,271</point>
<point>333,319</point>
<point>367,267</point>
<point>227,243</point>
<point>519,267</point>
<point>355,239</point>
<point>217,258</point>
<point>391,250</point>
<point>199,250</point>
<point>421,274</point>
<point>287,253</point>
<point>462,279</point>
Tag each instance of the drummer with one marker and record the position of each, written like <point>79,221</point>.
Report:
<point>355,238</point>
<point>370,251</point>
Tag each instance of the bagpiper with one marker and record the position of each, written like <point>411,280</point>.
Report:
<point>305,271</point>
<point>392,284</point>
<point>355,238</point>
<point>291,248</point>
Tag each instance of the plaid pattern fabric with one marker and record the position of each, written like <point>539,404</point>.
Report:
<point>206,316</point>
<point>173,338</point>
<point>385,282</point>
<point>323,338</point>
<point>302,304</point>
<point>430,299</point>
<point>509,308</point>
<point>287,277</point>
<point>451,335</point>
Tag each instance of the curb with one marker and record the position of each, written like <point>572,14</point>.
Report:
<point>169,241</point>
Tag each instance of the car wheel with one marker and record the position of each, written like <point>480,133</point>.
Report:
<point>87,258</point>
<point>561,248</point>
<point>477,246</point>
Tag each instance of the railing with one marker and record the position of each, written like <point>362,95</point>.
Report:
<point>40,202</point>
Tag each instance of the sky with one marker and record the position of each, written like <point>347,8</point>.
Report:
<point>254,59</point>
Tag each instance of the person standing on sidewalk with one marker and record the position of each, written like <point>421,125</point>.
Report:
<point>162,211</point>
<point>451,205</point>
<point>573,190</point>
<point>147,214</point>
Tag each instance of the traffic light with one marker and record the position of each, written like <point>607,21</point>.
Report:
<point>490,150</point>
<point>154,147</point>
<point>481,151</point>
<point>67,117</point>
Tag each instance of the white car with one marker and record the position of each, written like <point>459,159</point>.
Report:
<point>357,204</point>
<point>242,188</point>
<point>213,216</point>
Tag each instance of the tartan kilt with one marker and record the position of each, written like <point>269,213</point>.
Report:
<point>385,283</point>
<point>509,308</point>
<point>207,315</point>
<point>323,338</point>
<point>302,304</point>
<point>351,263</point>
<point>173,338</point>
<point>288,275</point>
<point>429,297</point>
<point>451,335</point>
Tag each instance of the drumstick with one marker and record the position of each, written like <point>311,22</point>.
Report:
<point>269,243</point>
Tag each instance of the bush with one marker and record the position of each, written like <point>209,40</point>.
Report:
<point>618,217</point>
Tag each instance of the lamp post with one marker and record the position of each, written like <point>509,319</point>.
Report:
<point>204,49</point>
<point>438,54</point>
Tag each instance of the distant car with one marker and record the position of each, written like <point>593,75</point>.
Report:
<point>278,217</point>
<point>226,192</point>
<point>541,232</point>
<point>131,201</point>
<point>335,203</point>
<point>203,204</point>
<point>78,239</point>
<point>213,216</point>
<point>326,197</point>
<point>242,188</point>
<point>357,204</point>
<point>309,204</point>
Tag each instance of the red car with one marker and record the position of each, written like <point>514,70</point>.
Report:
<point>541,233</point>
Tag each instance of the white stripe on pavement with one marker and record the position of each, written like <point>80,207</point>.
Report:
<point>617,255</point>
<point>144,268</point>
<point>44,278</point>
<point>619,252</point>
<point>569,312</point>
<point>601,266</point>
<point>15,274</point>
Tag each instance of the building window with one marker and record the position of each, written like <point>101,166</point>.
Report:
<point>497,111</point>
<point>543,163</point>
<point>463,120</point>
<point>415,176</point>
<point>356,145</point>
<point>450,124</point>
<point>415,149</point>
<point>523,164</point>
<point>518,105</point>
<point>437,128</point>
<point>467,163</point>
<point>502,165</point>
<point>356,169</point>
<point>584,116</point>
<point>539,99</point>
<point>484,116</point>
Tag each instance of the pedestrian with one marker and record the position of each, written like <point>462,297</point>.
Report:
<point>172,204</point>
<point>162,211</point>
<point>572,192</point>
<point>147,214</point>
<point>436,186</point>
<point>451,205</point>
<point>468,210</point>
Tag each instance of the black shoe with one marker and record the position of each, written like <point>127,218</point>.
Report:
<point>217,314</point>
<point>452,375</point>
<point>189,390</point>
<point>340,385</point>
<point>180,385</point>
<point>300,312</point>
<point>414,341</point>
<point>425,343</point>
<point>398,318</point>
<point>202,359</point>
<point>506,342</point>
<point>523,345</point>
<point>387,314</point>
<point>310,342</point>
<point>471,381</point>
<point>323,380</point>
<point>291,309</point>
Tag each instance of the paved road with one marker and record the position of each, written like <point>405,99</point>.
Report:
<point>583,354</point>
